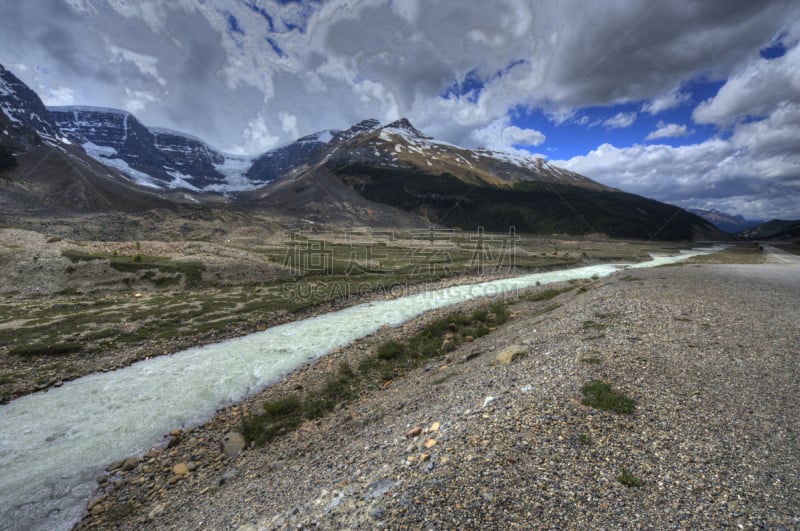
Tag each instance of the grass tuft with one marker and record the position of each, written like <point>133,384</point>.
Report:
<point>628,479</point>
<point>600,395</point>
<point>391,350</point>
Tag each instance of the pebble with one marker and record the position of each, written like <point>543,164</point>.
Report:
<point>413,432</point>
<point>129,464</point>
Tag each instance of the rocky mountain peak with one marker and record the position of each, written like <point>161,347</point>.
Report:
<point>24,111</point>
<point>404,125</point>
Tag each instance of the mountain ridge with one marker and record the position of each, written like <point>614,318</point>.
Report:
<point>371,174</point>
<point>137,152</point>
<point>732,224</point>
<point>774,229</point>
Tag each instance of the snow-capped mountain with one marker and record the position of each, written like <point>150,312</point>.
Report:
<point>400,144</point>
<point>54,175</point>
<point>290,158</point>
<point>23,112</point>
<point>164,159</point>
<point>153,157</point>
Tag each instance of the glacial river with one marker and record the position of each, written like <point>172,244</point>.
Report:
<point>54,444</point>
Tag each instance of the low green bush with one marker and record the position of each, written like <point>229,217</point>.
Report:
<point>601,395</point>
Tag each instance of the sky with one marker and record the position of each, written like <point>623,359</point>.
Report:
<point>696,103</point>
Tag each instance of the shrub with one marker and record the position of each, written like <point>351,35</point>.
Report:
<point>280,416</point>
<point>392,349</point>
<point>480,314</point>
<point>283,407</point>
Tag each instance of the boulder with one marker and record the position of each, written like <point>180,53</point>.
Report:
<point>512,353</point>
<point>130,463</point>
<point>232,443</point>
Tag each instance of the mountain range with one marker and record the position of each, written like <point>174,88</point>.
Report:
<point>93,159</point>
<point>730,223</point>
<point>776,229</point>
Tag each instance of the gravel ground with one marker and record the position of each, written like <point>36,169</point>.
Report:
<point>710,354</point>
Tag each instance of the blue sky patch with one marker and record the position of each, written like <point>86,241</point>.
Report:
<point>472,85</point>
<point>233,25</point>
<point>277,49</point>
<point>590,127</point>
<point>774,50</point>
<point>263,12</point>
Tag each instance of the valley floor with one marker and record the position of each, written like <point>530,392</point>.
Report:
<point>709,352</point>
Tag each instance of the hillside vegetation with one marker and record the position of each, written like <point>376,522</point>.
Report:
<point>531,207</point>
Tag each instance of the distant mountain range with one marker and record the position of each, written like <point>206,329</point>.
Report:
<point>732,224</point>
<point>776,229</point>
<point>751,229</point>
<point>91,159</point>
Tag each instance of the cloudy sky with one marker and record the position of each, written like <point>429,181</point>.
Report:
<point>692,102</point>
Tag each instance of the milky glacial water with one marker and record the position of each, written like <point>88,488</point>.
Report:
<point>54,444</point>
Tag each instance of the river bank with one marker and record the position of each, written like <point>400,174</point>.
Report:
<point>709,353</point>
<point>61,436</point>
<point>29,381</point>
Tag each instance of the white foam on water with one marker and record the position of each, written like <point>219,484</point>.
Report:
<point>54,444</point>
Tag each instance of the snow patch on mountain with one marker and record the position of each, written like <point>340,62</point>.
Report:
<point>9,112</point>
<point>181,180</point>
<point>107,155</point>
<point>98,152</point>
<point>234,168</point>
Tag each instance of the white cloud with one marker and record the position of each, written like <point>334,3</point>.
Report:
<point>666,130</point>
<point>523,137</point>
<point>670,100</point>
<point>393,59</point>
<point>620,120</point>
<point>256,137</point>
<point>147,64</point>
<point>138,100</point>
<point>753,91</point>
<point>755,172</point>
<point>289,123</point>
<point>57,96</point>
<point>500,135</point>
<point>777,137</point>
